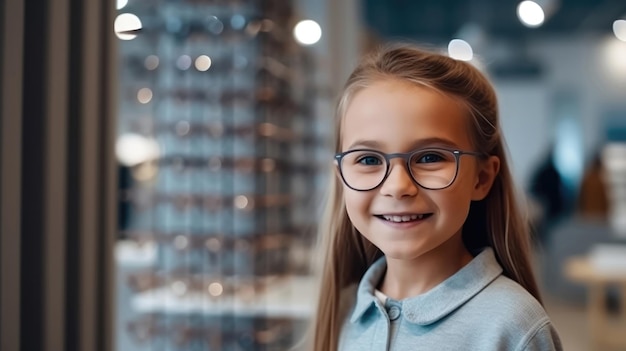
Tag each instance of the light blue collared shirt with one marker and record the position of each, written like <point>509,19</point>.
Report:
<point>476,309</point>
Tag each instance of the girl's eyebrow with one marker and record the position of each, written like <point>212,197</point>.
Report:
<point>435,141</point>
<point>365,143</point>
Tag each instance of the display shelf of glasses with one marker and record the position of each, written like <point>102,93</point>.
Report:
<point>223,91</point>
<point>199,334</point>
<point>275,297</point>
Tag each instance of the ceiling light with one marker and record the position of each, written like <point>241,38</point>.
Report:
<point>307,32</point>
<point>530,14</point>
<point>619,29</point>
<point>121,4</point>
<point>125,24</point>
<point>460,50</point>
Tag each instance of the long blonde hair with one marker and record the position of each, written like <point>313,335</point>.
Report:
<point>495,221</point>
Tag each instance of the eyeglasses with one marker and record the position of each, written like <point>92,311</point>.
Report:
<point>430,168</point>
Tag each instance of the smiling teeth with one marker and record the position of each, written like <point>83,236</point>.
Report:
<point>403,218</point>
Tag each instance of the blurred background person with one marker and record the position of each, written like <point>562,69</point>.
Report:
<point>592,200</point>
<point>548,196</point>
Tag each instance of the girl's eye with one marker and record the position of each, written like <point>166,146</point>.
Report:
<point>370,160</point>
<point>429,158</point>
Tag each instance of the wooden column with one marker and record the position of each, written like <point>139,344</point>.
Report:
<point>12,23</point>
<point>58,180</point>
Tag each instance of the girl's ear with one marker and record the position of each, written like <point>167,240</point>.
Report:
<point>487,172</point>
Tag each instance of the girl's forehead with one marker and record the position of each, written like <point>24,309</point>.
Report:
<point>398,115</point>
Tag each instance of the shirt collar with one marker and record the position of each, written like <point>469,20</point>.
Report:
<point>441,300</point>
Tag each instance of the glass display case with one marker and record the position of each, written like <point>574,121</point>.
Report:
<point>217,165</point>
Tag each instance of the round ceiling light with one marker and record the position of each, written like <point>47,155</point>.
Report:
<point>307,32</point>
<point>530,14</point>
<point>460,50</point>
<point>619,29</point>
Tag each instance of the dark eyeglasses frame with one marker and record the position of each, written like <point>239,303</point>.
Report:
<point>406,156</point>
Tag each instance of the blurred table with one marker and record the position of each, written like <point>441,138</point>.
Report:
<point>606,329</point>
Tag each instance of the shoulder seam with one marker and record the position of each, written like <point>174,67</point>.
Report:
<point>539,326</point>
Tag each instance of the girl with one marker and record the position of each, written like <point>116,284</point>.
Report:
<point>425,245</point>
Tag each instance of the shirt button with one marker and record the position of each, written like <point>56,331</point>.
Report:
<point>394,313</point>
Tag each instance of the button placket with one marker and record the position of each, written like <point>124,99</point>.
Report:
<point>394,309</point>
<point>394,312</point>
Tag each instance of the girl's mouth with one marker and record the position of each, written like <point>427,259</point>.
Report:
<point>404,218</point>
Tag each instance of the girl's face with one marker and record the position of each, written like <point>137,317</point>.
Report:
<point>394,116</point>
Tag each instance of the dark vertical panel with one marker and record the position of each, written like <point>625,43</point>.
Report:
<point>57,215</point>
<point>32,170</point>
<point>74,181</point>
<point>107,192</point>
<point>11,39</point>
<point>2,88</point>
<point>56,167</point>
<point>87,51</point>
<point>2,62</point>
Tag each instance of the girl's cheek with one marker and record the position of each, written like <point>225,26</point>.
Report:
<point>352,201</point>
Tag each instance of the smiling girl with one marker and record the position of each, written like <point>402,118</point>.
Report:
<point>425,246</point>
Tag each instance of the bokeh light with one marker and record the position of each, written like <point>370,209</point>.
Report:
<point>126,22</point>
<point>132,149</point>
<point>203,63</point>
<point>144,95</point>
<point>307,32</point>
<point>619,29</point>
<point>460,50</point>
<point>151,62</point>
<point>121,4</point>
<point>530,14</point>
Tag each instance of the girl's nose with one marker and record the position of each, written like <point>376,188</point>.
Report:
<point>399,182</point>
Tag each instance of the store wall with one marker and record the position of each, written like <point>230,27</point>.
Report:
<point>580,67</point>
<point>336,55</point>
<point>340,46</point>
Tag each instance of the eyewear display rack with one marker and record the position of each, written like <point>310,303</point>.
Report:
<point>219,93</point>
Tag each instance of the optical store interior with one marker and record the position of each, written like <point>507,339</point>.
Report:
<point>223,129</point>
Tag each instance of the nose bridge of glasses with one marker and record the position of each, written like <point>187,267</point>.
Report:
<point>405,156</point>
<point>403,163</point>
<point>405,160</point>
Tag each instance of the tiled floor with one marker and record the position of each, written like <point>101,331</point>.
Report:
<point>570,322</point>
<point>569,319</point>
